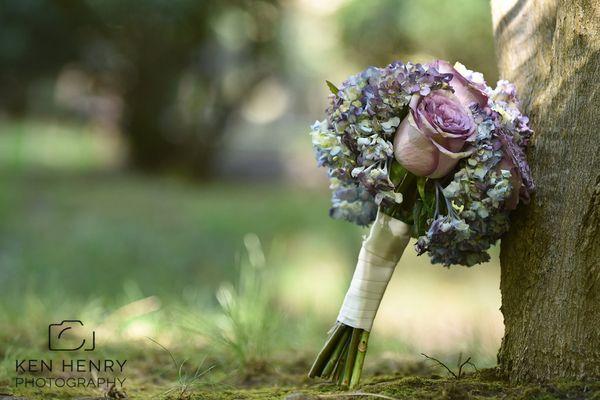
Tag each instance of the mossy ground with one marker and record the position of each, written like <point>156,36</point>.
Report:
<point>482,385</point>
<point>472,387</point>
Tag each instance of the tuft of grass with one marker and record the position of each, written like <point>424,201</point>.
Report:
<point>248,328</point>
<point>186,383</point>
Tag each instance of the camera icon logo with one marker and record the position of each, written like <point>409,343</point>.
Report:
<point>70,335</point>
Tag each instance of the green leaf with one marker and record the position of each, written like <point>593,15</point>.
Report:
<point>421,181</point>
<point>332,87</point>
<point>418,225</point>
<point>421,216</point>
<point>426,190</point>
<point>397,173</point>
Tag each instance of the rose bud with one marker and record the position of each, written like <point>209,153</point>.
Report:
<point>430,140</point>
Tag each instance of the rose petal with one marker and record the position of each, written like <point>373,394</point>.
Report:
<point>414,150</point>
<point>425,120</point>
<point>452,154</point>
<point>445,165</point>
<point>423,124</point>
<point>449,156</point>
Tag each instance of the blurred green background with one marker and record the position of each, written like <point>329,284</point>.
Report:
<point>157,179</point>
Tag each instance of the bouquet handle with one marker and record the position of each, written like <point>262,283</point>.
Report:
<point>342,356</point>
<point>379,254</point>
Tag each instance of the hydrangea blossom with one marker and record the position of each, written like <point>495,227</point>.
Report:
<point>475,217</point>
<point>472,202</point>
<point>476,198</point>
<point>355,140</point>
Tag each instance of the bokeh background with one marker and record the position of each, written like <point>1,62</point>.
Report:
<point>157,180</point>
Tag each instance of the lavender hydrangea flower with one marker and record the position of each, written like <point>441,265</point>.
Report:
<point>442,123</point>
<point>355,141</point>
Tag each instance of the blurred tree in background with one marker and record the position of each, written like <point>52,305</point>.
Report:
<point>173,76</point>
<point>36,40</point>
<point>181,68</point>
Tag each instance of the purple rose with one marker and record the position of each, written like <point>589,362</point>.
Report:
<point>431,139</point>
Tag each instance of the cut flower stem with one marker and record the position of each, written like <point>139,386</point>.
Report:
<point>342,357</point>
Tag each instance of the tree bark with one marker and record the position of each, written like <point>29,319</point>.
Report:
<point>550,279</point>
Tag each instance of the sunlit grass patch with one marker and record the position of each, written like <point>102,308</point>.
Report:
<point>59,146</point>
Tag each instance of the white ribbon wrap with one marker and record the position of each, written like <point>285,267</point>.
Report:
<point>379,254</point>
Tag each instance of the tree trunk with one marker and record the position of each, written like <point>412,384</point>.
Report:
<point>550,278</point>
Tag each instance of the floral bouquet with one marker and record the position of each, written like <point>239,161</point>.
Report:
<point>425,151</point>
